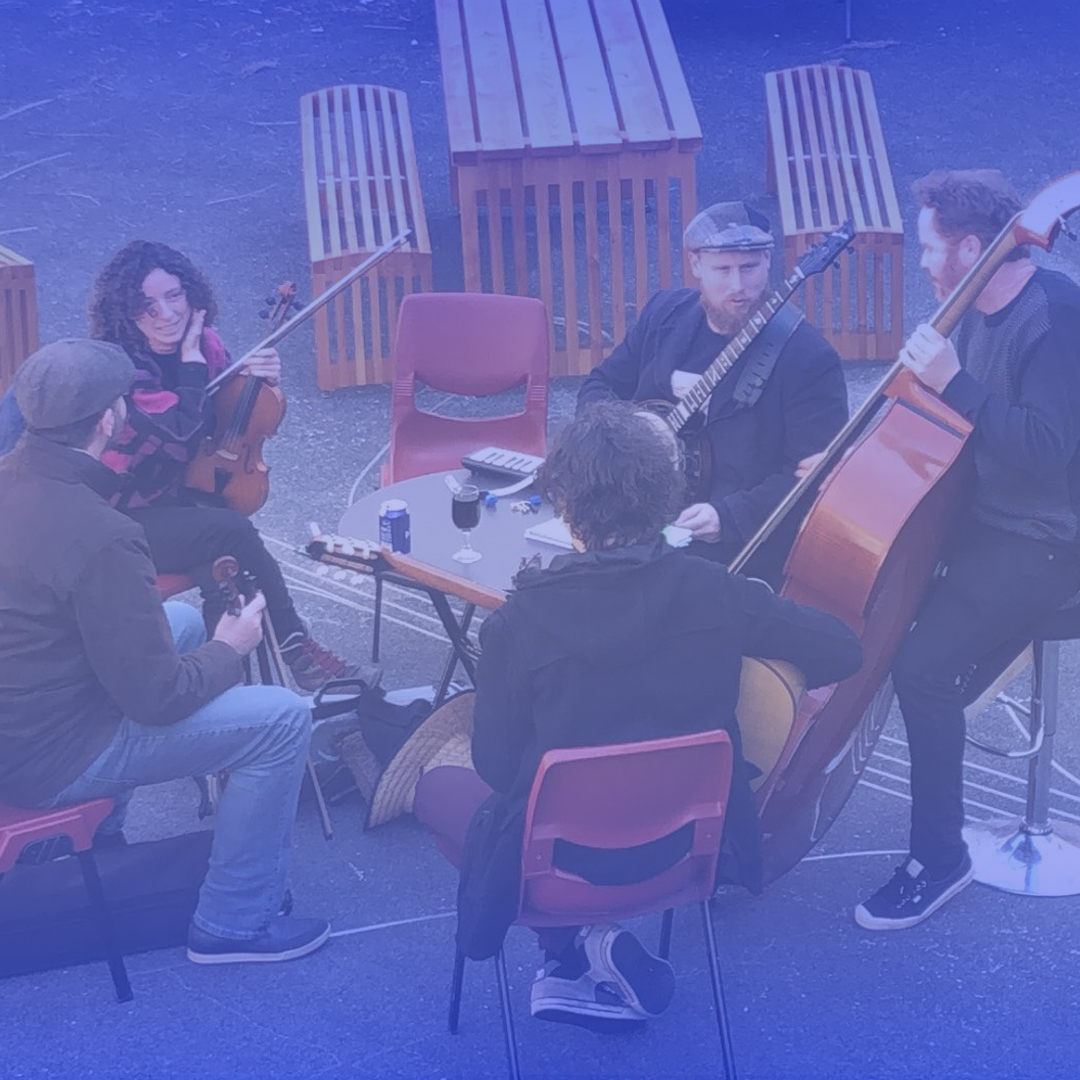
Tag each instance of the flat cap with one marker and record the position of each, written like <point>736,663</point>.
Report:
<point>729,226</point>
<point>71,380</point>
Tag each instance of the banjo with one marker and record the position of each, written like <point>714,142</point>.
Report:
<point>682,422</point>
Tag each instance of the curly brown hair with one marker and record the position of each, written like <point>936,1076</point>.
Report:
<point>969,202</point>
<point>610,475</point>
<point>117,298</point>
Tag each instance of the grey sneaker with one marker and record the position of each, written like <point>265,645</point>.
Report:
<point>568,998</point>
<point>312,664</point>
<point>616,958</point>
<point>911,895</point>
<point>285,938</point>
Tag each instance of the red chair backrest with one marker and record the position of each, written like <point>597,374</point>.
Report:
<point>473,344</point>
<point>619,797</point>
<point>20,827</point>
<point>172,584</point>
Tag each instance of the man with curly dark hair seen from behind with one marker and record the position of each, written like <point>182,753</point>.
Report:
<point>623,640</point>
<point>151,300</point>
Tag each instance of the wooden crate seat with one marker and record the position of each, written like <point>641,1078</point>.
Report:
<point>361,188</point>
<point>827,162</point>
<point>572,147</point>
<point>18,314</point>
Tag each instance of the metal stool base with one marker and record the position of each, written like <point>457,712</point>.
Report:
<point>1008,858</point>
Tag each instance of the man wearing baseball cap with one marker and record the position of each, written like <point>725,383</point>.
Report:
<point>784,395</point>
<point>104,689</point>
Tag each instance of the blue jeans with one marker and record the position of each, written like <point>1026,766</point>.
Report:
<point>260,735</point>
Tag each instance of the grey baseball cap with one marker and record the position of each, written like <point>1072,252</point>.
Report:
<point>71,380</point>
<point>728,226</point>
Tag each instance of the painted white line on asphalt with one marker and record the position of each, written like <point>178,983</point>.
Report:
<point>907,798</point>
<point>358,590</point>
<point>365,470</point>
<point>303,586</point>
<point>851,855</point>
<point>391,925</point>
<point>1022,780</point>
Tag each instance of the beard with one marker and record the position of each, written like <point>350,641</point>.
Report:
<point>728,320</point>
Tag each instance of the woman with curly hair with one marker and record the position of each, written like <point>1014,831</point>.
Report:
<point>623,640</point>
<point>155,303</point>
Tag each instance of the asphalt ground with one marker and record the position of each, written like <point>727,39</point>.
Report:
<point>178,122</point>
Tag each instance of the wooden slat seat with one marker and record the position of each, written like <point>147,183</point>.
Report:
<point>361,188</point>
<point>827,162</point>
<point>572,145</point>
<point>18,314</point>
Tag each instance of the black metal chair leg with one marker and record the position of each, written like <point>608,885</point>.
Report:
<point>377,627</point>
<point>455,991</point>
<point>507,1016</point>
<point>664,951</point>
<point>101,911</point>
<point>718,993</point>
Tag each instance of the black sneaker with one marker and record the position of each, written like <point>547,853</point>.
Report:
<point>312,665</point>
<point>285,938</point>
<point>616,958</point>
<point>911,895</point>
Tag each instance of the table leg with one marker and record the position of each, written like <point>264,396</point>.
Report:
<point>460,652</point>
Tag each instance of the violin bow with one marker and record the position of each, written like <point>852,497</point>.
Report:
<point>309,309</point>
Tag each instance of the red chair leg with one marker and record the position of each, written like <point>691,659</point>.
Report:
<point>718,993</point>
<point>100,907</point>
<point>455,991</point>
<point>507,1016</point>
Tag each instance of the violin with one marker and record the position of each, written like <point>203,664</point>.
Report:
<point>891,483</point>
<point>229,463</point>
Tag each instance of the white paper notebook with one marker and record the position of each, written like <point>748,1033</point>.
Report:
<point>553,531</point>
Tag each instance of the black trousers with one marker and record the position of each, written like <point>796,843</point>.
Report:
<point>187,540</point>
<point>995,589</point>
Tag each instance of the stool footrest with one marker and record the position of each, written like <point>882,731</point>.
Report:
<point>1008,857</point>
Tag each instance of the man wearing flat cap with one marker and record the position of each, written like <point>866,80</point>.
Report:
<point>784,398</point>
<point>104,689</point>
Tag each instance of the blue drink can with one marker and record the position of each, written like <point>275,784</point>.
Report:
<point>394,526</point>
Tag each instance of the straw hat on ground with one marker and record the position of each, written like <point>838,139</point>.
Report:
<point>443,738</point>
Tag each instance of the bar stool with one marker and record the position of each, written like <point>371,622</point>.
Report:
<point>1035,857</point>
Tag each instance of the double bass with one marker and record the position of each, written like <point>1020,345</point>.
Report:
<point>890,485</point>
<point>247,411</point>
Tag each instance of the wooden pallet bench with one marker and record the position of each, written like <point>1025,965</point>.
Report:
<point>18,314</point>
<point>361,188</point>
<point>572,147</point>
<point>826,162</point>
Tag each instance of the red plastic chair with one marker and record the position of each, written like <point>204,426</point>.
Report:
<point>172,584</point>
<point>620,797</point>
<point>474,344</point>
<point>20,828</point>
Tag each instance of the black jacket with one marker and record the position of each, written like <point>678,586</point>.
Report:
<point>754,450</point>
<point>83,637</point>
<point>632,644</point>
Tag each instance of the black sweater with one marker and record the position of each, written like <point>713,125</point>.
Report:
<point>631,644</point>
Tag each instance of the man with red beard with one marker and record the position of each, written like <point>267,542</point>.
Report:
<point>1014,372</point>
<point>784,398</point>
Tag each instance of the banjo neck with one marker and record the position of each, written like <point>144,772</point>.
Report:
<point>697,397</point>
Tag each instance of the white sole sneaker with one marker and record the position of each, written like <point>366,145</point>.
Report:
<point>615,955</point>
<point>869,921</point>
<point>249,957</point>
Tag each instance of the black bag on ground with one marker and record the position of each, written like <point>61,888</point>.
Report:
<point>151,888</point>
<point>490,883</point>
